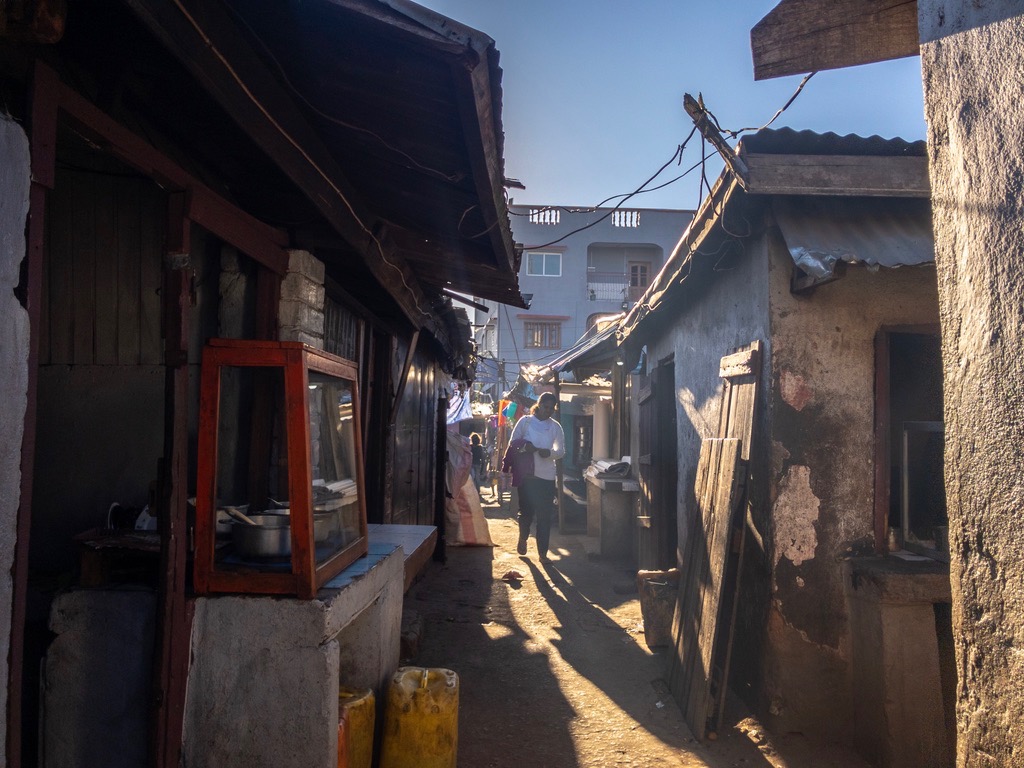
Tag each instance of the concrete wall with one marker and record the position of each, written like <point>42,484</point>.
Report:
<point>730,312</point>
<point>821,477</point>
<point>98,679</point>
<point>14,339</point>
<point>708,323</point>
<point>263,684</point>
<point>972,56</point>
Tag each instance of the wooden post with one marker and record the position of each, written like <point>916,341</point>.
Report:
<point>440,473</point>
<point>559,476</point>
<point>699,115</point>
<point>174,616</point>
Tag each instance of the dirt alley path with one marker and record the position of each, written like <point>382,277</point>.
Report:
<point>554,671</point>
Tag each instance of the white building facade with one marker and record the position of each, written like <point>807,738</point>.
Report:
<point>578,264</point>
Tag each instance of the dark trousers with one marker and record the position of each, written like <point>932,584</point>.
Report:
<point>536,502</point>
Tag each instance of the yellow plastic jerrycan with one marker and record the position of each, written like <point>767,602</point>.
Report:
<point>356,715</point>
<point>421,719</point>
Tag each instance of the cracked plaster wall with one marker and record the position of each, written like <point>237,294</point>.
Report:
<point>822,474</point>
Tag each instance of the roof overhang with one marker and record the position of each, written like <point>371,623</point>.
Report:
<point>385,115</point>
<point>800,36</point>
<point>836,199</point>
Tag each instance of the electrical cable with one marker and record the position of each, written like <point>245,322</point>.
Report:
<point>638,190</point>
<point>677,156</point>
<point>734,133</point>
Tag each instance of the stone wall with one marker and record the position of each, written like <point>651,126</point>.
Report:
<point>301,313</point>
<point>972,57</point>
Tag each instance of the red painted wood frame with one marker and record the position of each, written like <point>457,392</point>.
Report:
<point>296,360</point>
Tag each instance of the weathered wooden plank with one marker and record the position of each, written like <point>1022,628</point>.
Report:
<point>740,371</point>
<point>717,534</point>
<point>690,539</point>
<point>719,704</point>
<point>105,320</point>
<point>60,250</point>
<point>151,266</point>
<point>696,560</point>
<point>744,362</point>
<point>799,36</point>
<point>129,243</point>
<point>174,617</point>
<point>701,552</point>
<point>860,176</point>
<point>83,309</point>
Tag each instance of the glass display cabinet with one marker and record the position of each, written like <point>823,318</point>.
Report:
<point>280,504</point>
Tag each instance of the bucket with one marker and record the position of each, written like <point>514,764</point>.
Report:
<point>421,719</point>
<point>658,591</point>
<point>356,716</point>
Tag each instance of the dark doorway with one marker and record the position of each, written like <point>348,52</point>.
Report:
<point>658,468</point>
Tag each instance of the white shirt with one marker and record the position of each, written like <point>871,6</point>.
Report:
<point>543,434</point>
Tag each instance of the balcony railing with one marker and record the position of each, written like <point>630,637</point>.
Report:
<point>607,286</point>
<point>612,286</point>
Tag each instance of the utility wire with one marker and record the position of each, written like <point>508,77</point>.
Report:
<point>734,133</point>
<point>677,154</point>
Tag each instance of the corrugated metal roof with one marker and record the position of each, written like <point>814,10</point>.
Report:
<point>821,231</point>
<point>786,141</point>
<point>588,350</point>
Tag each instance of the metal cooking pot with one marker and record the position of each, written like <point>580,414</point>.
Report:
<point>272,534</point>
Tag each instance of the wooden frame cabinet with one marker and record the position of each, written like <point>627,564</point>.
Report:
<point>279,440</point>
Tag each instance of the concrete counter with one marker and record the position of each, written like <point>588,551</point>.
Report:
<point>263,688</point>
<point>265,671</point>
<point>902,659</point>
<point>611,513</point>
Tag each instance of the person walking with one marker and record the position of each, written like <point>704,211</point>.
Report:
<point>542,437</point>
<point>479,460</point>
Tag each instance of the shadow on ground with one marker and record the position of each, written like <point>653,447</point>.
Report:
<point>554,671</point>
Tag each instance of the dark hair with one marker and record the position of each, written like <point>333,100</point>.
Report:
<point>475,438</point>
<point>546,396</point>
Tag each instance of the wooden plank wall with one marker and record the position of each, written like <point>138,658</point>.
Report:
<point>102,275</point>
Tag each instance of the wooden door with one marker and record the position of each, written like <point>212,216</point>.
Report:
<point>639,278</point>
<point>658,470</point>
<point>706,605</point>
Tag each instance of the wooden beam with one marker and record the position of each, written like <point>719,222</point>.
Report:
<point>860,176</point>
<point>800,36</point>
<point>208,42</point>
<point>695,109</point>
<point>476,110</point>
<point>263,243</point>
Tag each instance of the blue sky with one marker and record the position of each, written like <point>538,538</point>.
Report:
<point>593,90</point>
